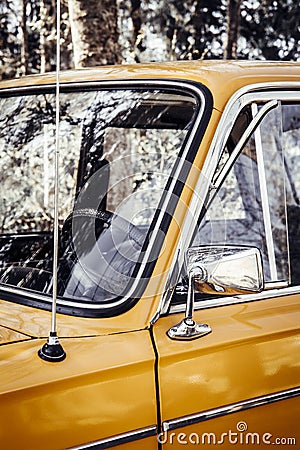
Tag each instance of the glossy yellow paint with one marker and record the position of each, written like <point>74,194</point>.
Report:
<point>255,428</point>
<point>25,319</point>
<point>104,387</point>
<point>223,78</point>
<point>149,443</point>
<point>253,350</point>
<point>8,336</point>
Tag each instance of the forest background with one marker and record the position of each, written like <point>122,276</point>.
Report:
<point>100,32</point>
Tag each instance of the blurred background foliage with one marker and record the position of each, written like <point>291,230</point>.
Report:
<point>100,32</point>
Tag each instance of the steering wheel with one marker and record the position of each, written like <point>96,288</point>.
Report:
<point>101,218</point>
<point>107,236</point>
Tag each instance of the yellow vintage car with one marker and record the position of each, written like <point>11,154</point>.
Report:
<point>174,268</point>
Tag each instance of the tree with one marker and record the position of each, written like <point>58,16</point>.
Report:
<point>94,29</point>
<point>232,28</point>
<point>47,33</point>
<point>197,28</point>
<point>46,26</point>
<point>24,39</point>
<point>270,30</point>
<point>10,37</point>
<point>158,30</point>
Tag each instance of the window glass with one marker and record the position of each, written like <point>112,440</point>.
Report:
<point>27,157</point>
<point>291,144</point>
<point>249,208</point>
<point>117,150</point>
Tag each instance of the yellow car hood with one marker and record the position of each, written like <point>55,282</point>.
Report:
<point>8,336</point>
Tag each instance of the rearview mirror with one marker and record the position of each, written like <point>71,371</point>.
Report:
<point>225,270</point>
<point>222,270</point>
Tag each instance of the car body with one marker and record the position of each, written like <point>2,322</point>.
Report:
<point>220,136</point>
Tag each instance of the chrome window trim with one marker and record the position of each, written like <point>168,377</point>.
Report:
<point>251,93</point>
<point>118,439</point>
<point>259,116</point>
<point>261,168</point>
<point>243,405</point>
<point>237,299</point>
<point>149,83</point>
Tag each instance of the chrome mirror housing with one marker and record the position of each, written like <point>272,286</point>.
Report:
<point>221,270</point>
<point>225,270</point>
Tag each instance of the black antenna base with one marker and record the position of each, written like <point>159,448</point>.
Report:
<point>52,351</point>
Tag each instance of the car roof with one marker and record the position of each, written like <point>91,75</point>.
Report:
<point>222,77</point>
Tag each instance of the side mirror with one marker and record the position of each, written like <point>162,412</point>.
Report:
<point>225,270</point>
<point>219,270</point>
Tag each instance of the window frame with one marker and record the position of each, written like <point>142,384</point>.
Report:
<point>254,93</point>
<point>161,220</point>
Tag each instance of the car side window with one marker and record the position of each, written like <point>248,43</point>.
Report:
<point>291,146</point>
<point>249,207</point>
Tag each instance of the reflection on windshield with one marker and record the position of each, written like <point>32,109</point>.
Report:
<point>117,150</point>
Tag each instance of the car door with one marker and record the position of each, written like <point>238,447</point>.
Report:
<point>101,396</point>
<point>239,384</point>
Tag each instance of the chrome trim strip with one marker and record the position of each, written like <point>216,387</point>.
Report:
<point>238,299</point>
<point>257,118</point>
<point>230,409</point>
<point>119,439</point>
<point>147,83</point>
<point>265,197</point>
<point>235,104</point>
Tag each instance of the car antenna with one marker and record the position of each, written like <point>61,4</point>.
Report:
<point>52,349</point>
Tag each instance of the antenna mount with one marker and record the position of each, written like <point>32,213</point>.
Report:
<point>52,351</point>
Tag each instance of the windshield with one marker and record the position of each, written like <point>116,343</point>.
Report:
<point>117,151</point>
